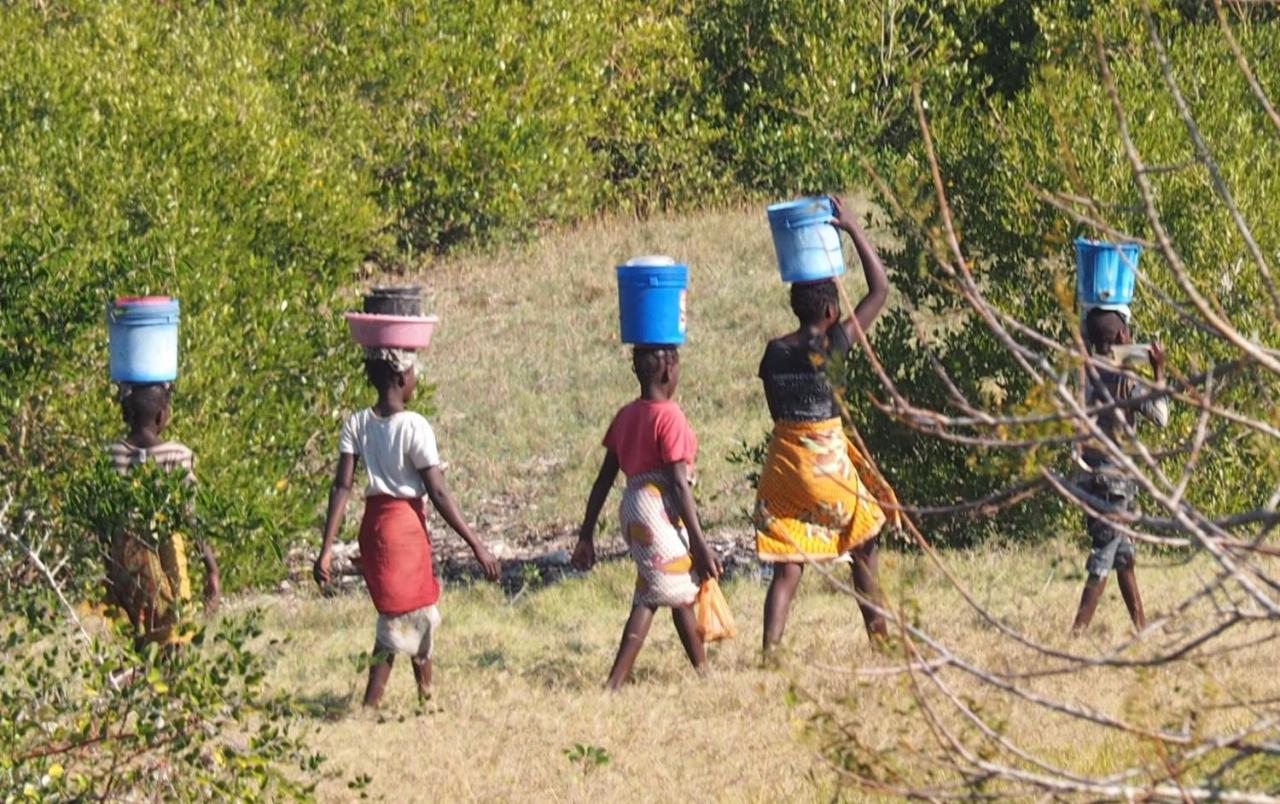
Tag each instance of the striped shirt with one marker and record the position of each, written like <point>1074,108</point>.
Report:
<point>169,455</point>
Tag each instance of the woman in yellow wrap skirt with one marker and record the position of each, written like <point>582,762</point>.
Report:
<point>818,498</point>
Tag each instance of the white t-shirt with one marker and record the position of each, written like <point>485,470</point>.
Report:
<point>393,449</point>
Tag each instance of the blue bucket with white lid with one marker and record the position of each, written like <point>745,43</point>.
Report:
<point>652,293</point>
<point>1106,273</point>
<point>143,336</point>
<point>807,245</point>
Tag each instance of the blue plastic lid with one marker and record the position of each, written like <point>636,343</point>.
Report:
<point>817,209</point>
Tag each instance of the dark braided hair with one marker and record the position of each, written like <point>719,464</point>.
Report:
<point>143,402</point>
<point>647,361</point>
<point>809,300</point>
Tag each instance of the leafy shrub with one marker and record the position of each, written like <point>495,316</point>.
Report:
<point>661,131</point>
<point>144,150</point>
<point>810,89</point>
<point>1059,134</point>
<point>192,725</point>
<point>89,716</point>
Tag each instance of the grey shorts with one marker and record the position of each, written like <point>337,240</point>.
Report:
<point>1110,549</point>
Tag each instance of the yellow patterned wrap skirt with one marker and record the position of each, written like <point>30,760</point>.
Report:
<point>818,496</point>
<point>152,585</point>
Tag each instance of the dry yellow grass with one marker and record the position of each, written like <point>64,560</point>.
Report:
<point>529,368</point>
<point>518,684</point>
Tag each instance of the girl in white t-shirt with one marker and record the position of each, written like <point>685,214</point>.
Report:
<point>402,462</point>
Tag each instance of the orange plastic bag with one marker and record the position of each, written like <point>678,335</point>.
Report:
<point>715,621</point>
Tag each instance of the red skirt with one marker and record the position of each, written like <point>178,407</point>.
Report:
<point>395,554</point>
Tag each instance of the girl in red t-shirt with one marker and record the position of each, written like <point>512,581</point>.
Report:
<point>651,442</point>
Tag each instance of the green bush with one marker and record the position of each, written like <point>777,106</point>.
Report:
<point>810,89</point>
<point>472,117</point>
<point>1060,134</point>
<point>145,150</point>
<point>99,720</point>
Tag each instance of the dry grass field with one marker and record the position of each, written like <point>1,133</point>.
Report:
<point>518,686</point>
<point>528,370</point>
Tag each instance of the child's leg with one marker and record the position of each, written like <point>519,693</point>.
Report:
<point>422,660</point>
<point>866,580</point>
<point>1093,589</point>
<point>422,675</point>
<point>212,578</point>
<point>633,634</point>
<point>777,603</point>
<point>379,671</point>
<point>1128,581</point>
<point>687,627</point>
<point>1105,554</point>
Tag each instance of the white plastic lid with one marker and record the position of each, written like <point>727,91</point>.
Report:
<point>651,259</point>
<point>1122,309</point>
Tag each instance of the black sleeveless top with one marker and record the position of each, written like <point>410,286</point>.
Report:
<point>795,377</point>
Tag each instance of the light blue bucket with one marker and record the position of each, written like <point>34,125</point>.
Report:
<point>1106,272</point>
<point>144,339</point>
<point>651,301</point>
<point>808,246</point>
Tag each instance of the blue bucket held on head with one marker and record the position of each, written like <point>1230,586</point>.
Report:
<point>651,301</point>
<point>1105,272</point>
<point>143,334</point>
<point>807,245</point>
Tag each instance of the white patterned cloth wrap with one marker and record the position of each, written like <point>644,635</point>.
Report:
<point>400,360</point>
<point>411,633</point>
<point>659,544</point>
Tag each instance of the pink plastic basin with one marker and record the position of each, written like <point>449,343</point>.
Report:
<point>394,331</point>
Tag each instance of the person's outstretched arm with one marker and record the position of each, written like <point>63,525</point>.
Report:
<point>584,553</point>
<point>869,307</point>
<point>440,496</point>
<point>339,493</point>
<point>704,558</point>
<point>1157,409</point>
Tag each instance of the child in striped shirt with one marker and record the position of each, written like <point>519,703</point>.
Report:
<point>150,582</point>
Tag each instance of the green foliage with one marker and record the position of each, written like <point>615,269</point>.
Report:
<point>192,725</point>
<point>487,119</point>
<point>587,757</point>
<point>751,455</point>
<point>146,150</point>
<point>149,503</point>
<point>89,714</point>
<point>662,133</point>
<point>1059,135</point>
<point>810,89</point>
<point>470,115</point>
<point>93,717</point>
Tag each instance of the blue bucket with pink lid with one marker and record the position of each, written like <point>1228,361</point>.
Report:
<point>143,332</point>
<point>652,294</point>
<point>807,245</point>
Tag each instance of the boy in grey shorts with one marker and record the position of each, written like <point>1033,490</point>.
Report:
<point>1111,548</point>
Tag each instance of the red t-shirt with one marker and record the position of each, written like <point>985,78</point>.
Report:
<point>649,434</point>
